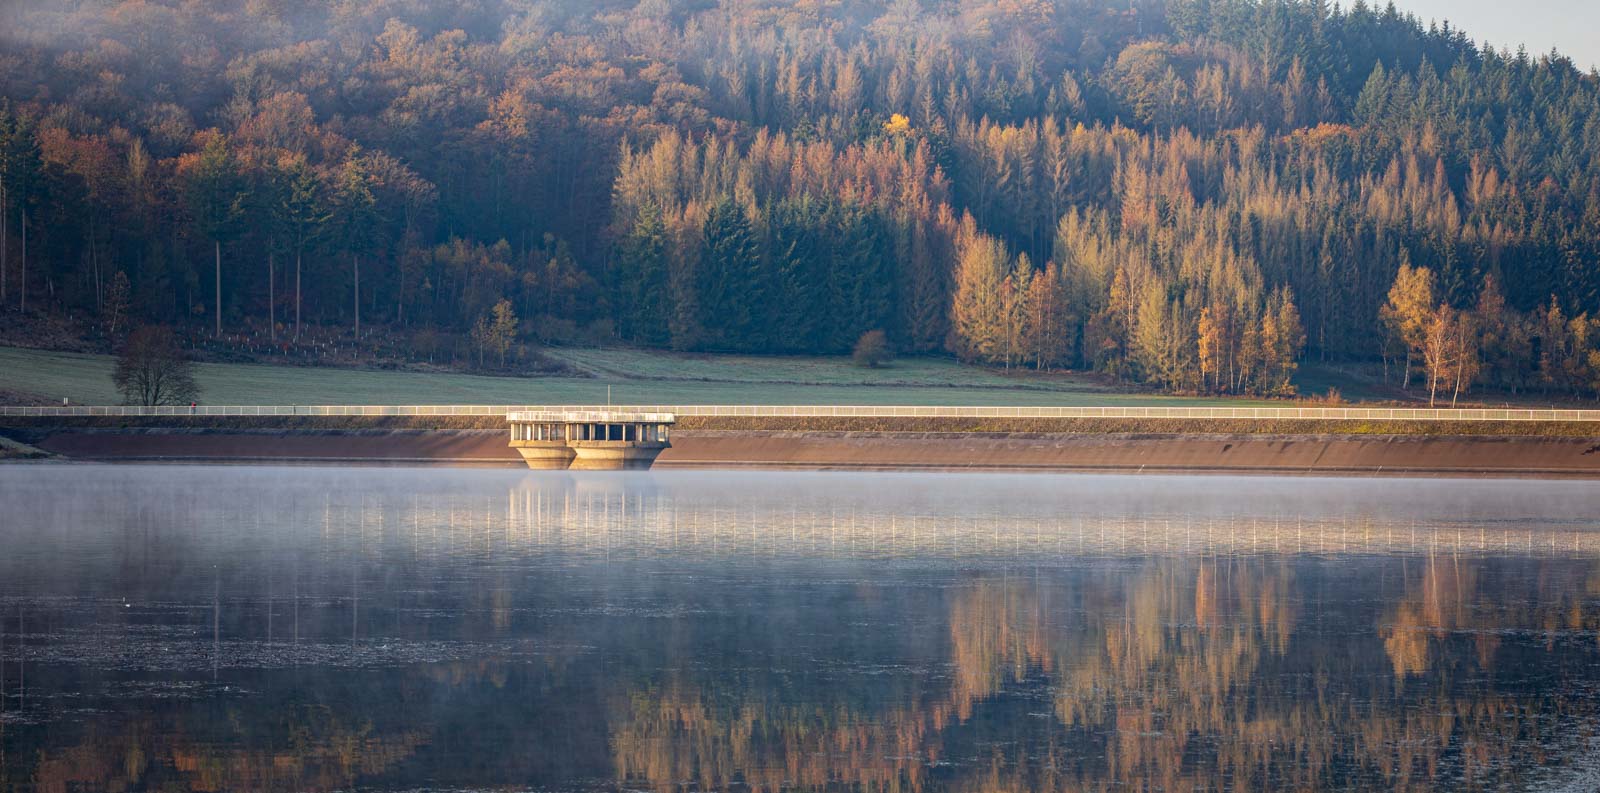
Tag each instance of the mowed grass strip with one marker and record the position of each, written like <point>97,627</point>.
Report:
<point>814,370</point>
<point>702,380</point>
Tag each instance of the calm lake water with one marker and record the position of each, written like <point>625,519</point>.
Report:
<point>236,628</point>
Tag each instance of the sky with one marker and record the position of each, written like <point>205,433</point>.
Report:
<point>1571,26</point>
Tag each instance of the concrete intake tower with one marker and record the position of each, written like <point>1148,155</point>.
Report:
<point>590,440</point>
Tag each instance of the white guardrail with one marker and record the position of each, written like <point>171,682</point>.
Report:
<point>838,411</point>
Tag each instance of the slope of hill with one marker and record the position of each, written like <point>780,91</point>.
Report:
<point>1190,193</point>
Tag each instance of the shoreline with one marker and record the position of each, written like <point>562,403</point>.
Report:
<point>1280,454</point>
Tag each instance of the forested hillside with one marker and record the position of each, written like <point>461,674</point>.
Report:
<point>1194,194</point>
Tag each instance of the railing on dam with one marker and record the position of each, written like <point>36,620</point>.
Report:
<point>841,411</point>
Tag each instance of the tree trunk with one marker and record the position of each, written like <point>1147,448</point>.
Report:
<point>94,265</point>
<point>272,299</point>
<point>217,248</point>
<point>22,287</point>
<point>5,244</point>
<point>1461,365</point>
<point>355,262</point>
<point>298,255</point>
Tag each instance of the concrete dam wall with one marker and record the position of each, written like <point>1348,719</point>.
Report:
<point>1243,453</point>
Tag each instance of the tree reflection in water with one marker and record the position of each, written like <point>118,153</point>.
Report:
<point>412,630</point>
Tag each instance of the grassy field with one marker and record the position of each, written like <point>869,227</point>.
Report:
<point>810,370</point>
<point>634,377</point>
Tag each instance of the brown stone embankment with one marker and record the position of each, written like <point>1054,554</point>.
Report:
<point>1266,454</point>
<point>395,447</point>
<point>1434,455</point>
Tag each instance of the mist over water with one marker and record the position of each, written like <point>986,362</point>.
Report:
<point>394,629</point>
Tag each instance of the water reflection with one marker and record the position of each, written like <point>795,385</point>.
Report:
<point>307,629</point>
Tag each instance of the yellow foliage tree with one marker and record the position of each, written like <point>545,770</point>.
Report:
<point>1211,344</point>
<point>1409,310</point>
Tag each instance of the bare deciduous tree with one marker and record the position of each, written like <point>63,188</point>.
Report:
<point>152,369</point>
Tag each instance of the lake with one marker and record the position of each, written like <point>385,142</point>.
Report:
<point>243,628</point>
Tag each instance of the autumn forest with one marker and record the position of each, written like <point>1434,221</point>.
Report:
<point>1195,195</point>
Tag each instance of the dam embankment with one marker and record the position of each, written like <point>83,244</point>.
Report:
<point>1301,453</point>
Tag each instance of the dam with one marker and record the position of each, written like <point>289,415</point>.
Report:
<point>590,440</point>
<point>1293,440</point>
